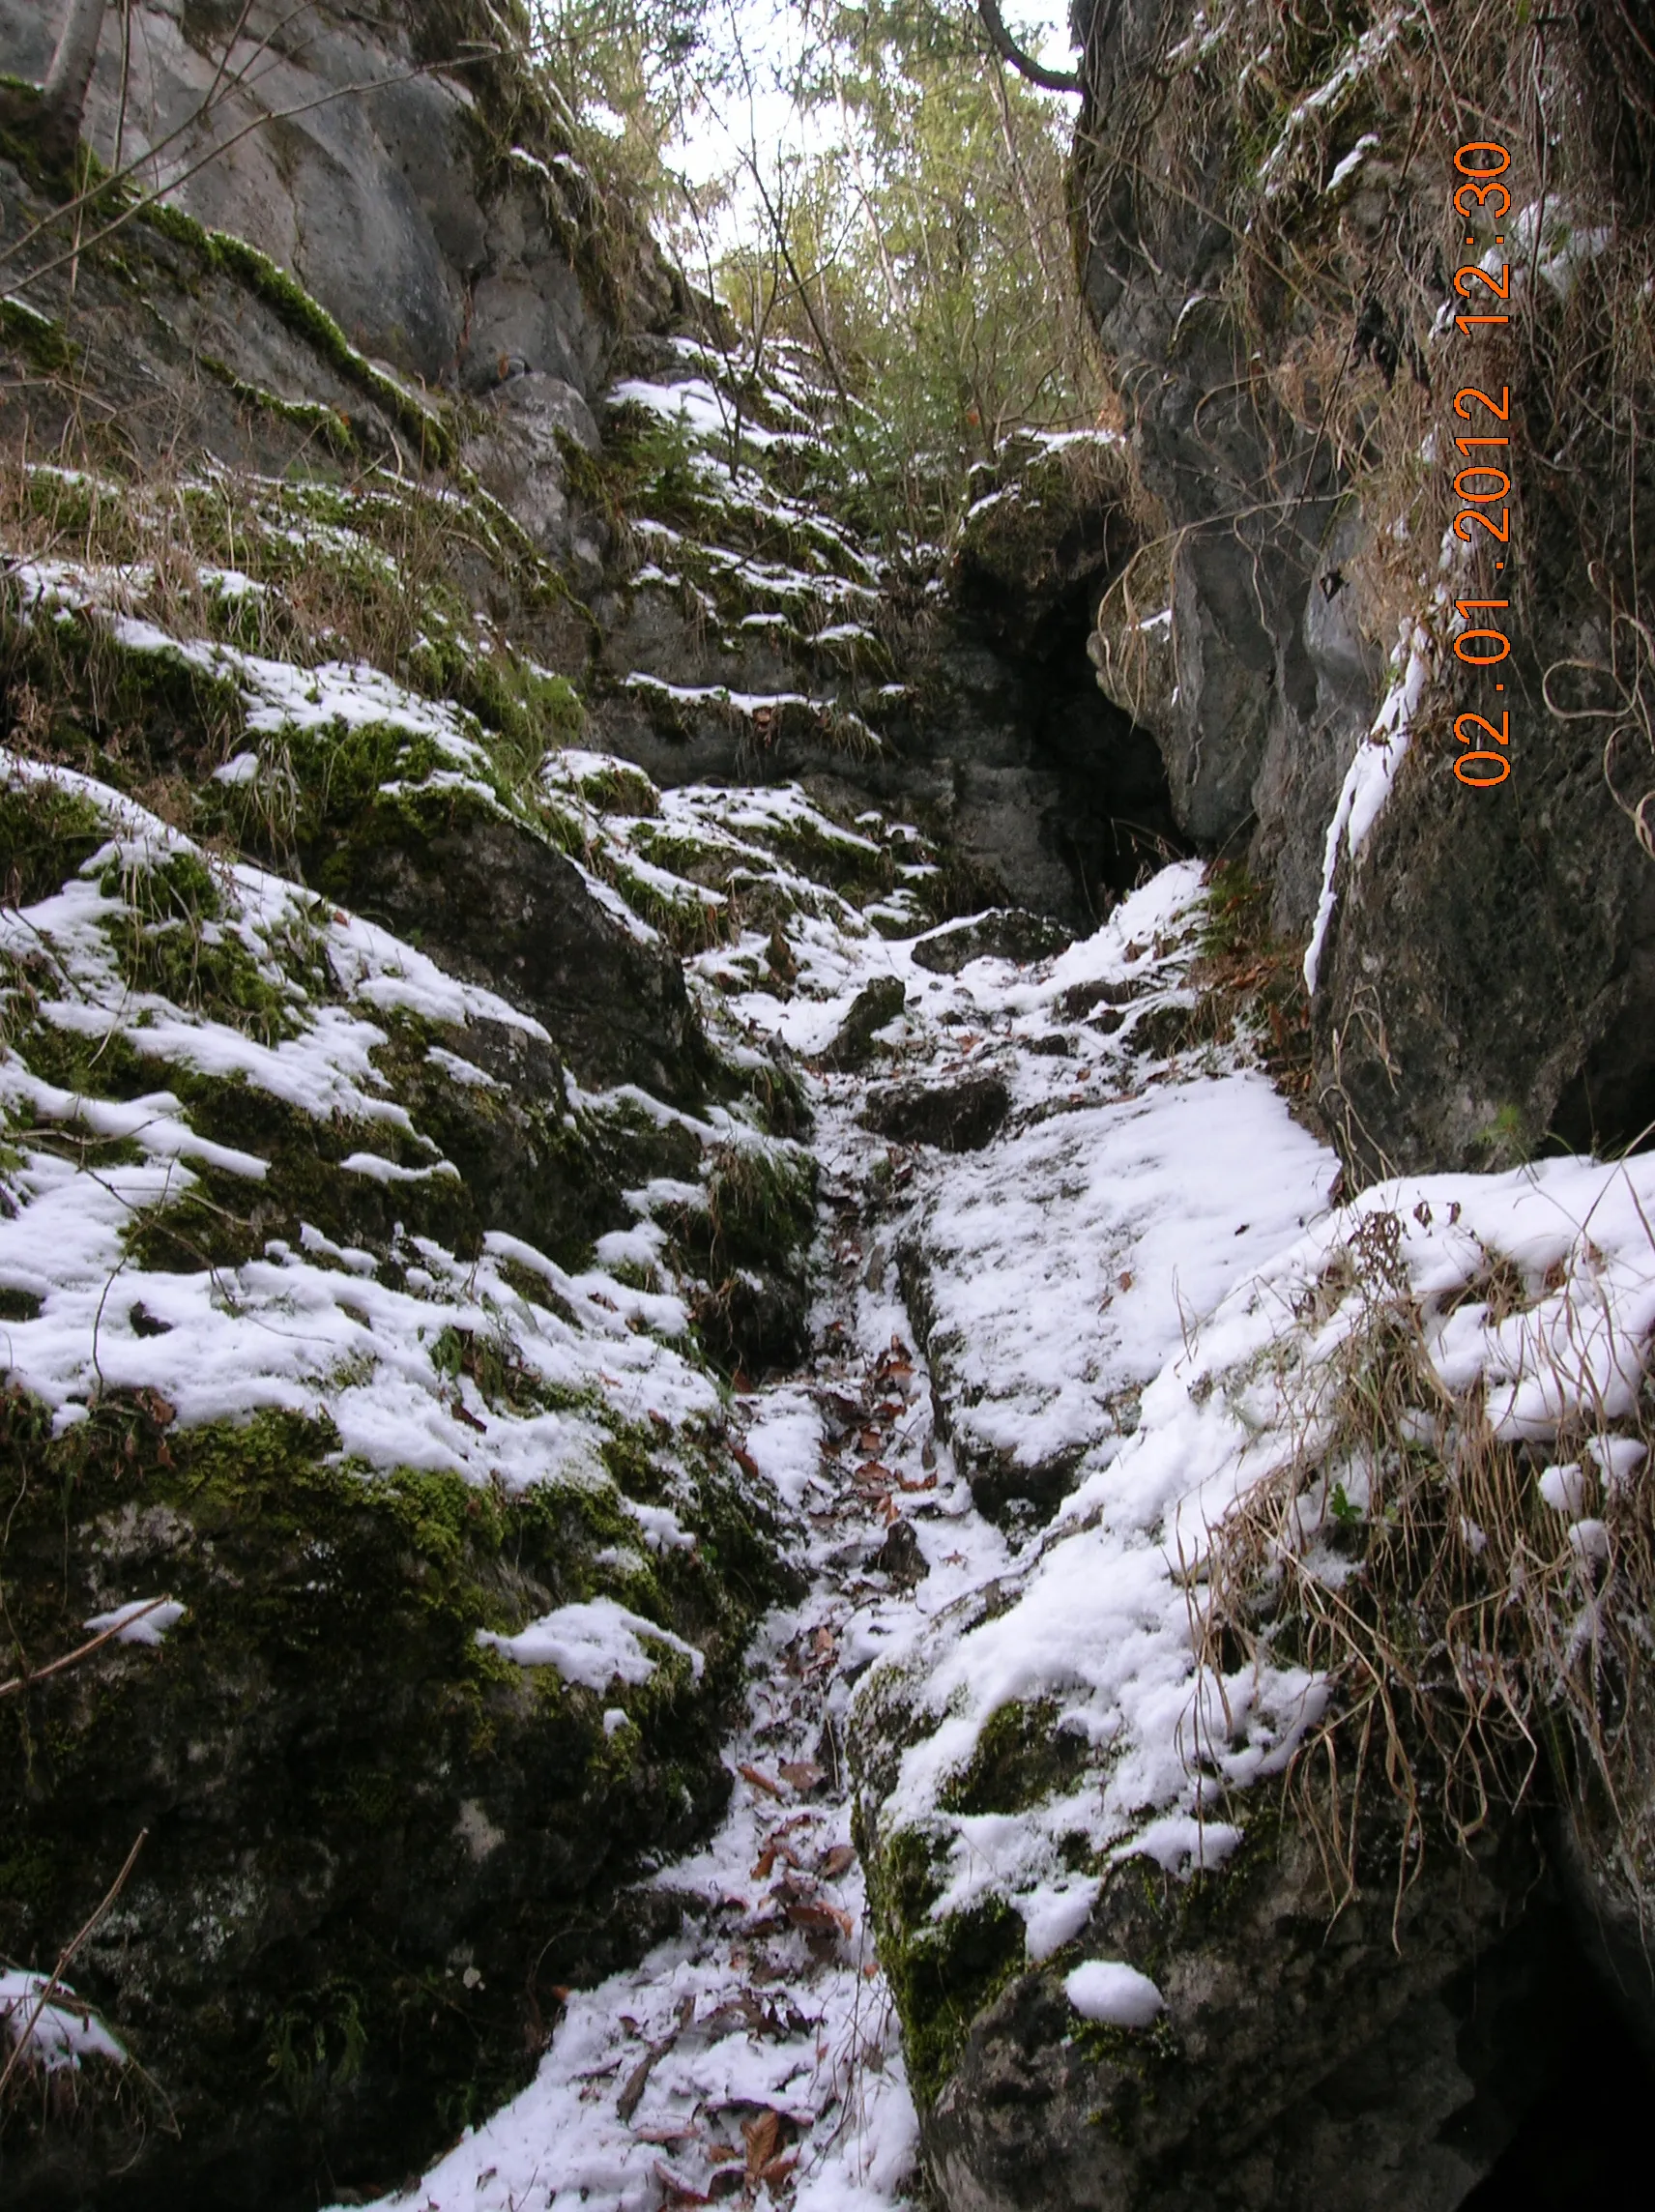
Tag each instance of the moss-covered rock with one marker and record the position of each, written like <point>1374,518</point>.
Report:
<point>1291,2027</point>
<point>1046,518</point>
<point>373,1846</point>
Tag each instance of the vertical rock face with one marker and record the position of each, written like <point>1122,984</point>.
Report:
<point>1265,695</point>
<point>1397,2106</point>
<point>1269,268</point>
<point>355,155</point>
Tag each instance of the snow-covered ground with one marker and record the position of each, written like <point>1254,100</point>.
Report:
<point>1141,1271</point>
<point>758,2046</point>
<point>1050,1361</point>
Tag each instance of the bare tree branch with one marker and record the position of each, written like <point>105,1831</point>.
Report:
<point>1008,50</point>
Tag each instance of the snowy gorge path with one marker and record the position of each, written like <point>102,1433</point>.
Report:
<point>757,2051</point>
<point>759,2046</point>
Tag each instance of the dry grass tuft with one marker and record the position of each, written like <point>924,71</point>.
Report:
<point>1483,1645</point>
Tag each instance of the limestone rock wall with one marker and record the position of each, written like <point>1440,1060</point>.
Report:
<point>357,151</point>
<point>1265,245</point>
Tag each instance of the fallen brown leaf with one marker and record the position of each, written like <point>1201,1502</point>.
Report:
<point>818,1917</point>
<point>802,1774</point>
<point>678,2190</point>
<point>760,2136</point>
<point>759,1781</point>
<point>626,2104</point>
<point>834,1863</point>
<point>774,1849</point>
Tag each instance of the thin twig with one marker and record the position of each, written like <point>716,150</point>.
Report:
<point>25,2033</point>
<point>81,1651</point>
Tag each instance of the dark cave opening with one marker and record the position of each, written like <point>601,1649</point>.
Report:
<point>1568,2085</point>
<point>1114,824</point>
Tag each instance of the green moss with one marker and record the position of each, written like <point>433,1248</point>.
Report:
<point>169,939</point>
<point>303,1750</point>
<point>617,788</point>
<point>85,1066</point>
<point>779,1092</point>
<point>689,925</point>
<point>524,711</point>
<point>631,1459</point>
<point>117,710</point>
<point>1020,1759</point>
<point>226,1219</point>
<point>843,864</point>
<point>47,833</point>
<point>307,319</point>
<point>328,423</point>
<point>357,793</point>
<point>698,859</point>
<point>1504,1141</point>
<point>942,1974</point>
<point>760,1201</point>
<point>43,343</point>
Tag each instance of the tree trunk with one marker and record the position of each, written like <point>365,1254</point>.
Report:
<point>63,96</point>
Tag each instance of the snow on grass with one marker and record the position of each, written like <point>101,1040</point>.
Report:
<point>60,2032</point>
<point>696,406</point>
<point>277,696</point>
<point>1103,1618</point>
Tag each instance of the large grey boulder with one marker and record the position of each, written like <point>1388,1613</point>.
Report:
<point>518,456</point>
<point>1299,2061</point>
<point>356,159</point>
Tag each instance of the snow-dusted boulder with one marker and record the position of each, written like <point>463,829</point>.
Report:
<point>1260,1723</point>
